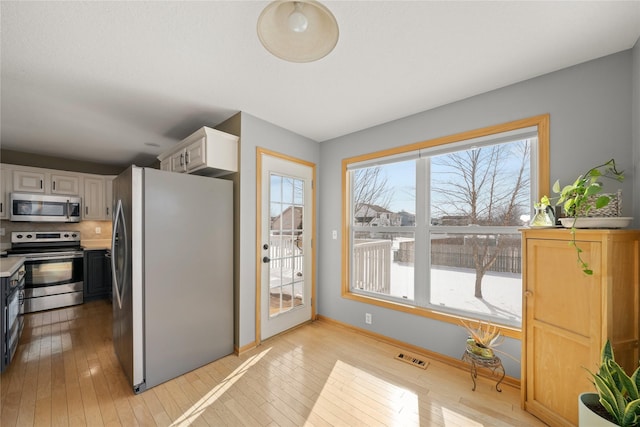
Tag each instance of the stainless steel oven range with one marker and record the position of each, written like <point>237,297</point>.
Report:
<point>54,268</point>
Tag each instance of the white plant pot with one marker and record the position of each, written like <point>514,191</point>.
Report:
<point>588,418</point>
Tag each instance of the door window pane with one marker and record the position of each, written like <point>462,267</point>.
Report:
<point>286,284</point>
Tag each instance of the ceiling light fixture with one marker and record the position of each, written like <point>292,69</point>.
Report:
<point>298,31</point>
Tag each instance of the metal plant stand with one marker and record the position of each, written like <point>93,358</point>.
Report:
<point>476,361</point>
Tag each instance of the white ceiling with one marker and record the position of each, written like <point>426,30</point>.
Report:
<point>99,81</point>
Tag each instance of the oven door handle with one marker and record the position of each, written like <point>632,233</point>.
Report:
<point>57,256</point>
<point>117,285</point>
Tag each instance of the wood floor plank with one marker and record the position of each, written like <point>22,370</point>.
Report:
<point>59,411</point>
<point>66,373</point>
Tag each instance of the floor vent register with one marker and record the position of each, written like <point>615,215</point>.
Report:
<point>412,360</point>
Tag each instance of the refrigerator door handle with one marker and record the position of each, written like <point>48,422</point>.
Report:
<point>119,216</point>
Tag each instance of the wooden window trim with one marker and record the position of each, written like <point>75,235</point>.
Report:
<point>542,123</point>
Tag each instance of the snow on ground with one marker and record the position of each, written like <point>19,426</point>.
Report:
<point>454,288</point>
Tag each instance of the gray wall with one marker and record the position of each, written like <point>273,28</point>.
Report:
<point>258,133</point>
<point>590,107</point>
<point>51,162</point>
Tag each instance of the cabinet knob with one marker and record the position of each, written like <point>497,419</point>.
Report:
<point>528,294</point>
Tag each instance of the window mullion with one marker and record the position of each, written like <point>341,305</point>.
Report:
<point>421,256</point>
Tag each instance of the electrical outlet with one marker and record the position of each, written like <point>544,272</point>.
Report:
<point>334,234</point>
<point>367,318</point>
<point>98,230</point>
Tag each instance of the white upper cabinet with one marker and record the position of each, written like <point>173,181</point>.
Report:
<point>5,188</point>
<point>28,181</point>
<point>108,195</point>
<point>34,180</point>
<point>65,184</point>
<point>196,155</point>
<point>205,152</point>
<point>176,162</point>
<point>96,190</point>
<point>94,198</point>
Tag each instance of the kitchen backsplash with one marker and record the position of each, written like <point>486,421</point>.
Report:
<point>88,229</point>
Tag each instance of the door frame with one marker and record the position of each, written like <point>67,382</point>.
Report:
<point>259,152</point>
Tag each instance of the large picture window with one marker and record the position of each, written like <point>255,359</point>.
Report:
<point>435,226</point>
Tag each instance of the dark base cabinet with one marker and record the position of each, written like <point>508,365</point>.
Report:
<point>97,274</point>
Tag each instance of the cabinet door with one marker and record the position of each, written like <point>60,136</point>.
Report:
<point>94,275</point>
<point>5,189</point>
<point>108,195</point>
<point>27,181</point>
<point>93,199</point>
<point>562,326</point>
<point>65,184</point>
<point>178,162</point>
<point>196,155</point>
<point>165,165</point>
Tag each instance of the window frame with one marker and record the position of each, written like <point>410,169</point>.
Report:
<point>542,185</point>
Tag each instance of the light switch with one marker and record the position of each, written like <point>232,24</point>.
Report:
<point>334,234</point>
<point>98,230</point>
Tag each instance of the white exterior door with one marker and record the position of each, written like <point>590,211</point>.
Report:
<point>285,247</point>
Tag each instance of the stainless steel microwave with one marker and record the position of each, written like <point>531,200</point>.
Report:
<point>45,208</point>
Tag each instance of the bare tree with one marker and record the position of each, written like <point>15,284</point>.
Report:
<point>478,186</point>
<point>370,188</point>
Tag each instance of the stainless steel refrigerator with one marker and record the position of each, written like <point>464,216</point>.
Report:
<point>172,265</point>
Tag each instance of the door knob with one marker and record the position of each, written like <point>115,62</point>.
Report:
<point>266,259</point>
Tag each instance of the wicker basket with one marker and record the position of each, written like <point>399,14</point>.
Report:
<point>614,208</point>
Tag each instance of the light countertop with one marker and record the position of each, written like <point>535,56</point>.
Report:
<point>9,265</point>
<point>96,244</point>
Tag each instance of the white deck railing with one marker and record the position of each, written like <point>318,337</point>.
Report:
<point>372,265</point>
<point>284,253</point>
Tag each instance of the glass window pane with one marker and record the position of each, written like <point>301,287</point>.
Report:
<point>287,189</point>
<point>385,195</point>
<point>482,186</point>
<point>275,192</point>
<point>383,263</point>
<point>478,273</point>
<point>298,192</point>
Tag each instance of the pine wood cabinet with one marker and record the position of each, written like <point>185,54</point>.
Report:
<point>568,315</point>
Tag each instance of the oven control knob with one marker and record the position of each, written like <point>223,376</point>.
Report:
<point>74,235</point>
<point>66,235</point>
<point>19,236</point>
<point>29,236</point>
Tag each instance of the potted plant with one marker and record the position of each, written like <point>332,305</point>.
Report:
<point>483,339</point>
<point>583,196</point>
<point>617,401</point>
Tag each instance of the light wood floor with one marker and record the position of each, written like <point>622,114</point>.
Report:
<point>320,374</point>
